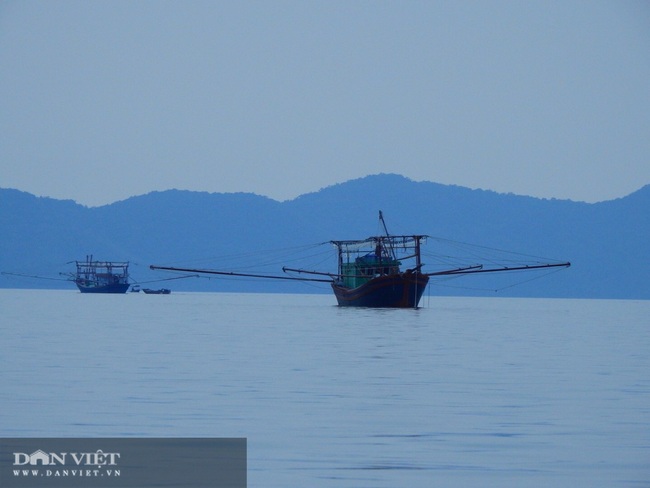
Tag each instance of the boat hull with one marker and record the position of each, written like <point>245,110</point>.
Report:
<point>402,290</point>
<point>111,288</point>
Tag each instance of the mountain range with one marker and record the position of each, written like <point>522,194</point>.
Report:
<point>606,242</point>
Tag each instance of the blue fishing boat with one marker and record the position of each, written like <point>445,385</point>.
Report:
<point>102,276</point>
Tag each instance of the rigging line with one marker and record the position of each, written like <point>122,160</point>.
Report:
<point>317,285</point>
<point>439,281</point>
<point>34,276</point>
<point>229,257</point>
<point>443,282</point>
<point>470,253</point>
<point>443,259</point>
<point>323,255</point>
<point>513,268</point>
<point>460,244</point>
<point>475,288</point>
<point>136,282</point>
<point>500,261</point>
<point>260,268</point>
<point>277,260</point>
<point>529,280</point>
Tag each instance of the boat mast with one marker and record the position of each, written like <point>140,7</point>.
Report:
<point>383,222</point>
<point>388,240</point>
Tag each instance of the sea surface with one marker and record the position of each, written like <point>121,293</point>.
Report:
<point>467,392</point>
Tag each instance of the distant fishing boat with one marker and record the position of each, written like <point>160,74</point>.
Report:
<point>379,271</point>
<point>161,291</point>
<point>101,276</point>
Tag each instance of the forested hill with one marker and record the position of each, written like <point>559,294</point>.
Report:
<point>607,242</point>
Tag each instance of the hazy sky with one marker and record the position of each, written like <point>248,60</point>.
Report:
<point>102,100</point>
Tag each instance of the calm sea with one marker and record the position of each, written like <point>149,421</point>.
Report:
<point>462,392</point>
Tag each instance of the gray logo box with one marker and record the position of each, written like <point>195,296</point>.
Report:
<point>123,462</point>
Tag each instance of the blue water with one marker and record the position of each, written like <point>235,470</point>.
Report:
<point>463,392</point>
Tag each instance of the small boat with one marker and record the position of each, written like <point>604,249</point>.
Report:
<point>161,291</point>
<point>101,276</point>
<point>379,271</point>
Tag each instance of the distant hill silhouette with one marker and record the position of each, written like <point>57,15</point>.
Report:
<point>606,242</point>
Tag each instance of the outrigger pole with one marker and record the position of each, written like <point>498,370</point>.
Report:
<point>455,271</point>
<point>480,269</point>
<point>232,273</point>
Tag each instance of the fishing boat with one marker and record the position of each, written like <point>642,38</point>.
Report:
<point>370,272</point>
<point>160,291</point>
<point>101,276</point>
<point>379,271</point>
